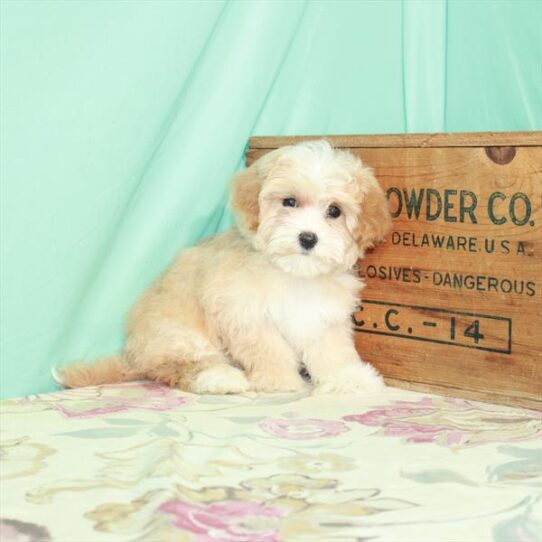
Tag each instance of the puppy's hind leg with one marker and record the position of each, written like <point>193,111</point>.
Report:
<point>220,378</point>
<point>184,358</point>
<point>209,376</point>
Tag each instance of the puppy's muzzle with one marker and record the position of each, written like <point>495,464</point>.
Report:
<point>307,239</point>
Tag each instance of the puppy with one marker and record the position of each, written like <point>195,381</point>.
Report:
<point>249,308</point>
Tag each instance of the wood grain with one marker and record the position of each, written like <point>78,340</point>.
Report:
<point>469,139</point>
<point>453,297</point>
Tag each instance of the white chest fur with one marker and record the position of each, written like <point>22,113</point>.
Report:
<point>302,308</point>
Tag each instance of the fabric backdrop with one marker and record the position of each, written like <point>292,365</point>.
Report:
<point>123,121</point>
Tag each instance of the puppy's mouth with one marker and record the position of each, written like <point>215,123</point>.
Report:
<point>302,264</point>
<point>304,252</point>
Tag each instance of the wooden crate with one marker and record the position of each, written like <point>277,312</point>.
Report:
<point>453,297</point>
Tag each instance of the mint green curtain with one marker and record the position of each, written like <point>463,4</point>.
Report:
<point>122,122</point>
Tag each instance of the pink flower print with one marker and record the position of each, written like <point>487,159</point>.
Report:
<point>303,429</point>
<point>227,521</point>
<point>115,399</point>
<point>13,530</point>
<point>451,422</point>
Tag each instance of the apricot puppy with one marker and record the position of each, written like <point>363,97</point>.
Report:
<point>246,309</point>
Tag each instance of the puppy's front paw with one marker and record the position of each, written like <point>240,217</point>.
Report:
<point>285,382</point>
<point>356,377</point>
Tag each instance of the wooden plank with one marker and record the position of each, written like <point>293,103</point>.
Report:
<point>453,302</point>
<point>479,139</point>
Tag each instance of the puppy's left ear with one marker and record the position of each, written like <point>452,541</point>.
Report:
<point>374,219</point>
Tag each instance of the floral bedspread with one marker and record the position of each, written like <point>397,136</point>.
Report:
<point>140,462</point>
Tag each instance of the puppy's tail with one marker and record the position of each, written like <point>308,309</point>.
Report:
<point>107,370</point>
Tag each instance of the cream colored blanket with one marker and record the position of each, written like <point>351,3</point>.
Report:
<point>140,462</point>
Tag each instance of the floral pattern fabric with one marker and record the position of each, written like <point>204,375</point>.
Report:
<point>142,462</point>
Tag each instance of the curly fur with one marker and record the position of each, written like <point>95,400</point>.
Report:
<point>246,309</point>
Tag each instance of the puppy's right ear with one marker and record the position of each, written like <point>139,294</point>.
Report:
<point>244,204</point>
<point>246,187</point>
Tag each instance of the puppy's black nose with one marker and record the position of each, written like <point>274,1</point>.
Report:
<point>307,239</point>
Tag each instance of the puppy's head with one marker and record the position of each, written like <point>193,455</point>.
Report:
<point>310,208</point>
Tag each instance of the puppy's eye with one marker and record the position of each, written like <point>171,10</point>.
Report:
<point>289,202</point>
<point>333,211</point>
